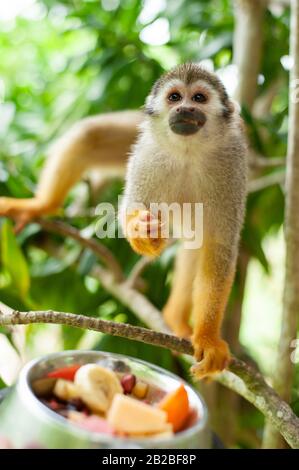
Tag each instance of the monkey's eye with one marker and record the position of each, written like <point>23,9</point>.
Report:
<point>199,98</point>
<point>174,97</point>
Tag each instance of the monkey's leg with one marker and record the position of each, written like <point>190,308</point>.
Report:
<point>98,141</point>
<point>177,311</point>
<point>212,285</point>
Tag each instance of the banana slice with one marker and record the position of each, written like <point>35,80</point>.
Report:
<point>66,390</point>
<point>97,386</point>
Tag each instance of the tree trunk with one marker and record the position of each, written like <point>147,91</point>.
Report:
<point>248,41</point>
<point>284,370</point>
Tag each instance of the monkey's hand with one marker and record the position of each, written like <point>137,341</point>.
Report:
<point>212,355</point>
<point>143,232</point>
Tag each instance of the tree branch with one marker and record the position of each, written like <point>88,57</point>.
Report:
<point>263,103</point>
<point>241,377</point>
<point>123,330</point>
<point>131,298</point>
<point>134,276</point>
<point>112,279</point>
<point>284,3</point>
<point>250,384</point>
<point>133,279</point>
<point>265,181</point>
<point>98,248</point>
<point>257,161</point>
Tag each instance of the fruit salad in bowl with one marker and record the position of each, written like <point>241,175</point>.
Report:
<point>97,399</point>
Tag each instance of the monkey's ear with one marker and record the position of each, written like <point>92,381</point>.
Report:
<point>148,107</point>
<point>234,106</point>
<point>148,110</point>
<point>231,107</point>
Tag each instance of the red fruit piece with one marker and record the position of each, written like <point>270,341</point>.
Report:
<point>5,443</point>
<point>54,405</point>
<point>67,373</point>
<point>128,382</point>
<point>34,445</point>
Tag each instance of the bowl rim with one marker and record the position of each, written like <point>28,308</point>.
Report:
<point>35,404</point>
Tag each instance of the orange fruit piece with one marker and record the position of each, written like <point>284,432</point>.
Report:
<point>176,406</point>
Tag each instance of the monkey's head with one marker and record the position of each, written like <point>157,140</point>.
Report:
<point>188,99</point>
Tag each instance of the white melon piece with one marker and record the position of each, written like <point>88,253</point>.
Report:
<point>130,416</point>
<point>166,434</point>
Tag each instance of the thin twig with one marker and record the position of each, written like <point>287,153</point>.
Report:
<point>263,162</point>
<point>265,181</point>
<point>283,3</point>
<point>98,248</point>
<point>123,330</point>
<point>134,277</point>
<point>131,298</point>
<point>110,279</point>
<point>137,270</point>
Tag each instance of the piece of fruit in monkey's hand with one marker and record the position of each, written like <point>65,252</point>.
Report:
<point>144,233</point>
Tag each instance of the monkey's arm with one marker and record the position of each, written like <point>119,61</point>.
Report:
<point>214,277</point>
<point>98,141</point>
<point>142,229</point>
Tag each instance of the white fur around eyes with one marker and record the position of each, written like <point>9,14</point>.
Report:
<point>160,105</point>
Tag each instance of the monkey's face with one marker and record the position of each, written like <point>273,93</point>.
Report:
<point>186,109</point>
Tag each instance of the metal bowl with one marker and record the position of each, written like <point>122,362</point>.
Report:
<point>26,422</point>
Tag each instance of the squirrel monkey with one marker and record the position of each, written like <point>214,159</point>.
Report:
<point>190,148</point>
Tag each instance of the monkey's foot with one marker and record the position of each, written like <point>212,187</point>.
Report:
<point>144,234</point>
<point>212,355</point>
<point>176,322</point>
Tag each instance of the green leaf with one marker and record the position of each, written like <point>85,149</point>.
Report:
<point>2,384</point>
<point>13,260</point>
<point>66,291</point>
<point>71,336</point>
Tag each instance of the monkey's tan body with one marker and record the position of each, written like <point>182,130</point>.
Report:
<point>207,167</point>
